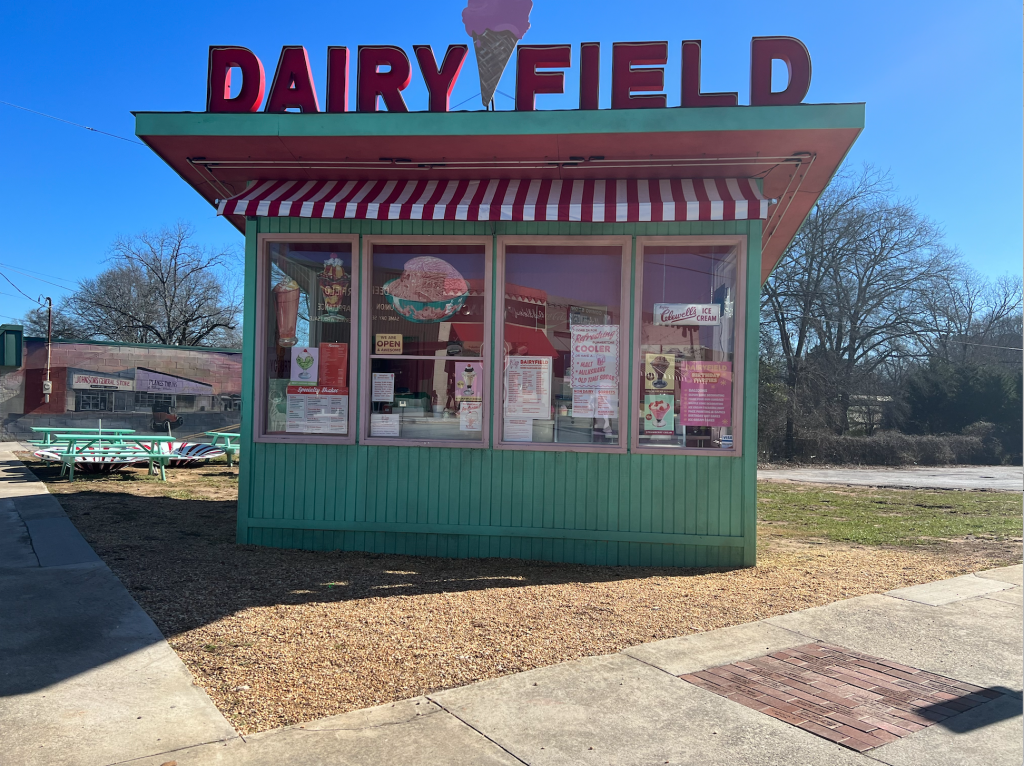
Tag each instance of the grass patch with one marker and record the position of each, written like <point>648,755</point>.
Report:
<point>904,517</point>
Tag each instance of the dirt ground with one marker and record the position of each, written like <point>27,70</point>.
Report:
<point>280,637</point>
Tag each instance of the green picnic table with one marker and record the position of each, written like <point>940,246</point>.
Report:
<point>49,431</point>
<point>226,441</point>
<point>149,448</point>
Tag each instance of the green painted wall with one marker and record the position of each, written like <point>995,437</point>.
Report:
<point>593,508</point>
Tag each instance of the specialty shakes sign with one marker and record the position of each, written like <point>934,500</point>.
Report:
<point>384,71</point>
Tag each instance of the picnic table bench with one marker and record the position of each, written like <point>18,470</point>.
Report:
<point>228,442</point>
<point>126,447</point>
<point>51,431</point>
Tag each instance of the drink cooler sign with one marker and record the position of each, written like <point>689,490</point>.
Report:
<point>705,394</point>
<point>595,371</point>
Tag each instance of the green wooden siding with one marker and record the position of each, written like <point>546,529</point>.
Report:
<point>592,508</point>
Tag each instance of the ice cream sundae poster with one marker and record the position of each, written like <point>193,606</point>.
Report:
<point>496,27</point>
<point>305,365</point>
<point>659,412</point>
<point>469,381</point>
<point>660,372</point>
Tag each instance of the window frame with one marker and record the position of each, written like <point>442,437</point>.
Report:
<point>263,242</point>
<point>366,327</point>
<point>739,342</point>
<point>625,351</point>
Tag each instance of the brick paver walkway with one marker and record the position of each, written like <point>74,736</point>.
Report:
<point>854,699</point>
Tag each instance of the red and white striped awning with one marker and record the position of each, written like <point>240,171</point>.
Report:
<point>616,200</point>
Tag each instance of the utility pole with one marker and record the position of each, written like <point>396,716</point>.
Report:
<point>47,385</point>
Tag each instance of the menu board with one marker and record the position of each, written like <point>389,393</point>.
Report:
<point>528,387</point>
<point>383,389</point>
<point>385,425</point>
<point>705,393</point>
<point>588,403</point>
<point>518,430</point>
<point>305,365</point>
<point>333,364</point>
<point>317,410</point>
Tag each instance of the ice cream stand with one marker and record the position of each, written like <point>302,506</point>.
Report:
<point>527,334</point>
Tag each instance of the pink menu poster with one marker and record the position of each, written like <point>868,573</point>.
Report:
<point>705,393</point>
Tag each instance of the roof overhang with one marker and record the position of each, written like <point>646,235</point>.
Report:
<point>794,150</point>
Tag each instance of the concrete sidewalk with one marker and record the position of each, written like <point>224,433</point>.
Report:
<point>1001,478</point>
<point>88,680</point>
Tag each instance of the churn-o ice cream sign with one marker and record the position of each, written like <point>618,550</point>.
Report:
<point>384,71</point>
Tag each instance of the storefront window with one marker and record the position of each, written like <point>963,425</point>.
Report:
<point>308,333</point>
<point>426,340</point>
<point>562,344</point>
<point>685,385</point>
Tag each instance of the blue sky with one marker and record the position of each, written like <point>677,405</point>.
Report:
<point>942,82</point>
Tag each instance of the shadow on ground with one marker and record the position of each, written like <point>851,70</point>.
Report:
<point>179,559</point>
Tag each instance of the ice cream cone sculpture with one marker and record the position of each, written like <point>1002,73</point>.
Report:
<point>496,26</point>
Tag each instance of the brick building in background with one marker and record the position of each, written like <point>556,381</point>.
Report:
<point>123,384</point>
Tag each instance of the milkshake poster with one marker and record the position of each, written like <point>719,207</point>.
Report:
<point>469,381</point>
<point>705,394</point>
<point>659,372</point>
<point>659,413</point>
<point>305,365</point>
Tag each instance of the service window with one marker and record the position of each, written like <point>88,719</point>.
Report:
<point>306,339</point>
<point>426,336</point>
<point>687,387</point>
<point>563,343</point>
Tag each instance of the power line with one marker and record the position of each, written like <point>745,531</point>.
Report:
<point>40,279</point>
<point>30,271</point>
<point>34,300</point>
<point>69,122</point>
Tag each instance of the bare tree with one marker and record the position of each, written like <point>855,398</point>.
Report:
<point>162,288</point>
<point>64,325</point>
<point>971,317</point>
<point>846,295</point>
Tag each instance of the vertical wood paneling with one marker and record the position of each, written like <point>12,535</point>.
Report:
<point>536,490</point>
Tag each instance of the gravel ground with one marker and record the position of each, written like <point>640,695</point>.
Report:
<point>282,637</point>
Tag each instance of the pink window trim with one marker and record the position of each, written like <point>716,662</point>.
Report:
<point>258,411</point>
<point>626,243</point>
<point>366,302</point>
<point>740,243</point>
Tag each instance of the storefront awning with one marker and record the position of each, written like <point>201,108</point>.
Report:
<point>510,199</point>
<point>528,341</point>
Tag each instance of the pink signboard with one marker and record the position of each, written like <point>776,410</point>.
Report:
<point>705,393</point>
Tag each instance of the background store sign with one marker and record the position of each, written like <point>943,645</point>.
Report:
<point>525,314</point>
<point>159,383</point>
<point>687,314</point>
<point>384,71</point>
<point>102,382</point>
